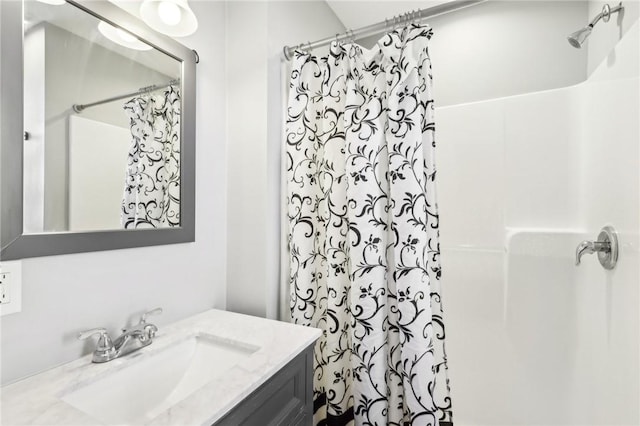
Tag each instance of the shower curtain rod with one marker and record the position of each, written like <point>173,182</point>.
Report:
<point>81,107</point>
<point>377,28</point>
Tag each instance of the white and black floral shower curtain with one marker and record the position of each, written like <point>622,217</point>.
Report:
<point>363,231</point>
<point>152,186</point>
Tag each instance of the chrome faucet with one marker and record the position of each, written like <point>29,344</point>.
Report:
<point>130,340</point>
<point>606,246</point>
<point>590,247</point>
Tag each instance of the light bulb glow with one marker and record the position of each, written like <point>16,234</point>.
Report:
<point>170,17</point>
<point>53,2</point>
<point>121,37</point>
<point>125,36</point>
<point>169,13</point>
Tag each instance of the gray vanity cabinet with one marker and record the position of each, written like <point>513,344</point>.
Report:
<point>285,399</point>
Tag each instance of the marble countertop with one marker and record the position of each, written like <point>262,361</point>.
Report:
<point>37,400</point>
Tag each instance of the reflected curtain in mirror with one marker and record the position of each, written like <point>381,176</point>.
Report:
<point>152,187</point>
<point>68,142</point>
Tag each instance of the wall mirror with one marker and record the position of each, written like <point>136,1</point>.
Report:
<point>98,131</point>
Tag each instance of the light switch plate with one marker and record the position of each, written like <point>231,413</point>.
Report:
<point>10,287</point>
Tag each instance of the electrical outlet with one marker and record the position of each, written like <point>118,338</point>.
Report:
<point>5,287</point>
<point>10,287</point>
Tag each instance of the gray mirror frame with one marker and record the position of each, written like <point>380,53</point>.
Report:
<point>17,245</point>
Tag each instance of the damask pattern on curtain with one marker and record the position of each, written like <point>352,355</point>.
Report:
<point>363,231</point>
<point>152,187</point>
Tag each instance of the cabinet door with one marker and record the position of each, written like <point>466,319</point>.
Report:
<point>285,399</point>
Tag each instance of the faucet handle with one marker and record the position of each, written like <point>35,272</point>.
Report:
<point>104,347</point>
<point>88,333</point>
<point>156,311</point>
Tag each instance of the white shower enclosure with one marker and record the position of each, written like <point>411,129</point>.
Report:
<point>532,338</point>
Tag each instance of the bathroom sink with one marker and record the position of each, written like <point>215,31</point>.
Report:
<point>151,383</point>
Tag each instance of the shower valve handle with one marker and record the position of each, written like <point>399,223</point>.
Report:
<point>590,247</point>
<point>606,246</point>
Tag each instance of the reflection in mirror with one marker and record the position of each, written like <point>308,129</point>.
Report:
<point>102,126</point>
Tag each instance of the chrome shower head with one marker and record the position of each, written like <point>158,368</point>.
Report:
<point>578,38</point>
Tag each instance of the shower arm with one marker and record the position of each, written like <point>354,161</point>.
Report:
<point>605,14</point>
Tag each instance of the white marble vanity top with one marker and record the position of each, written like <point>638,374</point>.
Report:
<point>37,400</point>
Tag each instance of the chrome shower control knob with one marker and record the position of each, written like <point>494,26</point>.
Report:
<point>609,259</point>
<point>606,246</point>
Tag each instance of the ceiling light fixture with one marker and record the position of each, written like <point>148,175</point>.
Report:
<point>169,13</point>
<point>121,37</point>
<point>171,17</point>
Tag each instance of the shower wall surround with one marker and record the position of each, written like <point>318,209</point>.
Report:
<point>521,183</point>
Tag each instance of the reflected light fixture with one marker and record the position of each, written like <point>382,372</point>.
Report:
<point>53,2</point>
<point>171,17</point>
<point>121,37</point>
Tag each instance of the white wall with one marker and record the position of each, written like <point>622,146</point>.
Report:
<point>96,189</point>
<point>523,180</point>
<point>504,164</point>
<point>254,110</point>
<point>65,294</point>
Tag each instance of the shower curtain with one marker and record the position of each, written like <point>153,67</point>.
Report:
<point>152,184</point>
<point>363,231</point>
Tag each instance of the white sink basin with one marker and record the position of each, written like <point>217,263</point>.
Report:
<point>153,383</point>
